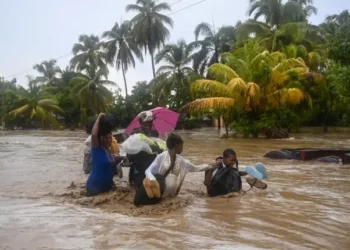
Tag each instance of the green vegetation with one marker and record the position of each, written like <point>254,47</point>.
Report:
<point>121,48</point>
<point>274,72</point>
<point>35,103</point>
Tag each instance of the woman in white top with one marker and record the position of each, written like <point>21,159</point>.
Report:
<point>87,155</point>
<point>166,174</point>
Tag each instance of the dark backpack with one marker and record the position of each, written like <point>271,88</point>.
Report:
<point>226,180</point>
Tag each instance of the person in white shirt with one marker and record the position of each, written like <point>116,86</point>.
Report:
<point>87,148</point>
<point>164,177</point>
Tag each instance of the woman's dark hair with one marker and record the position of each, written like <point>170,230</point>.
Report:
<point>173,140</point>
<point>107,124</point>
<point>104,133</point>
<point>89,126</point>
<point>228,152</point>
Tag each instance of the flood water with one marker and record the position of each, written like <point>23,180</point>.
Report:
<point>306,205</point>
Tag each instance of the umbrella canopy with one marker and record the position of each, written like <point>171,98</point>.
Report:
<point>165,121</point>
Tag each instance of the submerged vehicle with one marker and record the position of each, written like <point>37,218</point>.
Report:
<point>340,156</point>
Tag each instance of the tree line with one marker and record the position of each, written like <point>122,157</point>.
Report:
<point>259,76</point>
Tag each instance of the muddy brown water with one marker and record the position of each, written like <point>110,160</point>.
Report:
<point>306,205</point>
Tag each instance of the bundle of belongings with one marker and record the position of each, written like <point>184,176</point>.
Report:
<point>142,147</point>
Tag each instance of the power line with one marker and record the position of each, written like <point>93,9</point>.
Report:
<point>186,7</point>
<point>27,70</point>
<point>175,3</point>
<point>65,55</point>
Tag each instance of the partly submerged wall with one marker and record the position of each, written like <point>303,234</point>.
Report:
<point>320,129</point>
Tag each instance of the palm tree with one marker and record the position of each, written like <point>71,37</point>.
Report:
<point>276,13</point>
<point>330,29</point>
<point>121,48</point>
<point>265,33</point>
<point>90,91</point>
<point>36,104</point>
<point>212,45</point>
<point>333,23</point>
<point>160,89</point>
<point>176,73</point>
<point>300,39</point>
<point>49,71</point>
<point>61,85</point>
<point>244,61</point>
<point>270,9</point>
<point>9,84</point>
<point>177,56</point>
<point>226,89</point>
<point>340,19</point>
<point>307,7</point>
<point>150,26</point>
<point>88,53</point>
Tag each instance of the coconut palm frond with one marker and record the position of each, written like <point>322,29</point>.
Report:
<point>107,82</point>
<point>20,111</point>
<point>314,60</point>
<point>105,93</point>
<point>203,29</point>
<point>165,68</point>
<point>290,64</point>
<point>253,96</point>
<point>221,73</point>
<point>252,28</point>
<point>207,105</point>
<point>47,102</point>
<point>285,96</point>
<point>45,117</point>
<point>237,87</point>
<point>276,57</point>
<point>50,105</point>
<point>214,88</point>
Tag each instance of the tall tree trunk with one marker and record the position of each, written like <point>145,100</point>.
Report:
<point>274,41</point>
<point>217,61</point>
<point>226,124</point>
<point>150,43</point>
<point>325,126</point>
<point>216,55</point>
<point>98,106</point>
<point>153,67</point>
<point>125,85</point>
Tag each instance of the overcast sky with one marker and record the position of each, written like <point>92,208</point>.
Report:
<point>37,30</point>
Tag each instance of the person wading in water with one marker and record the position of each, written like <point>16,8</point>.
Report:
<point>100,179</point>
<point>87,151</point>
<point>140,161</point>
<point>225,177</point>
<point>165,175</point>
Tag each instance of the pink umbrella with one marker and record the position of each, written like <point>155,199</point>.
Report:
<point>165,120</point>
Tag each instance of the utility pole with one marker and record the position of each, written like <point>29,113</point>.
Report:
<point>2,80</point>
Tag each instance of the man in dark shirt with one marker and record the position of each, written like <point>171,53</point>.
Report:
<point>224,177</point>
